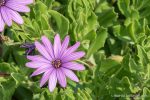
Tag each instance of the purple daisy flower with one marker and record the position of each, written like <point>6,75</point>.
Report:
<point>9,11</point>
<point>30,48</point>
<point>56,61</point>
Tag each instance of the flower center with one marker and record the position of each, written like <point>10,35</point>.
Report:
<point>56,63</point>
<point>2,2</point>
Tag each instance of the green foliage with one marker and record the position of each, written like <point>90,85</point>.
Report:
<point>115,35</point>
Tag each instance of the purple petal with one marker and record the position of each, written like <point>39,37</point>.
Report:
<point>15,16</point>
<point>65,44</point>
<point>48,46</point>
<point>40,71</point>
<point>35,64</point>
<point>38,58</point>
<point>61,78</point>
<point>57,45</point>
<point>52,81</point>
<point>71,49</point>
<point>29,51</point>
<point>23,2</point>
<point>73,56</point>
<point>73,66</point>
<point>42,50</point>
<point>70,74</point>
<point>6,15</point>
<point>17,7</point>
<point>2,24</point>
<point>46,76</point>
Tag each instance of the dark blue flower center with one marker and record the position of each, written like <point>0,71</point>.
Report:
<point>2,2</point>
<point>56,63</point>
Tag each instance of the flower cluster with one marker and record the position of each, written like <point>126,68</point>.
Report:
<point>55,61</point>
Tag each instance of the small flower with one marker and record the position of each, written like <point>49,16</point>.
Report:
<point>9,11</point>
<point>30,48</point>
<point>56,61</point>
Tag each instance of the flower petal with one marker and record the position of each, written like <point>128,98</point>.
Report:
<point>6,15</point>
<point>23,2</point>
<point>35,64</point>
<point>40,71</point>
<point>17,7</point>
<point>38,58</point>
<point>2,24</point>
<point>57,45</point>
<point>73,56</point>
<point>48,46</point>
<point>52,81</point>
<point>61,78</point>
<point>73,66</point>
<point>70,74</point>
<point>42,50</point>
<point>65,44</point>
<point>71,49</point>
<point>46,76</point>
<point>15,16</point>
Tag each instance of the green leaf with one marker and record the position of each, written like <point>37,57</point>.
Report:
<point>124,7</point>
<point>92,24</point>
<point>141,4</point>
<point>109,66</point>
<point>18,78</point>
<point>126,83</point>
<point>40,8</point>
<point>5,68</point>
<point>132,32</point>
<point>48,2</point>
<point>146,94</point>
<point>44,23</point>
<point>7,90</point>
<point>107,17</point>
<point>145,12</point>
<point>98,42</point>
<point>61,21</point>
<point>143,58</point>
<point>121,33</point>
<point>23,93</point>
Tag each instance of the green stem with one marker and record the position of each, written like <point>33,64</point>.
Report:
<point>83,63</point>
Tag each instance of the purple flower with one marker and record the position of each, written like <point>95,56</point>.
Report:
<point>30,48</point>
<point>9,11</point>
<point>56,61</point>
